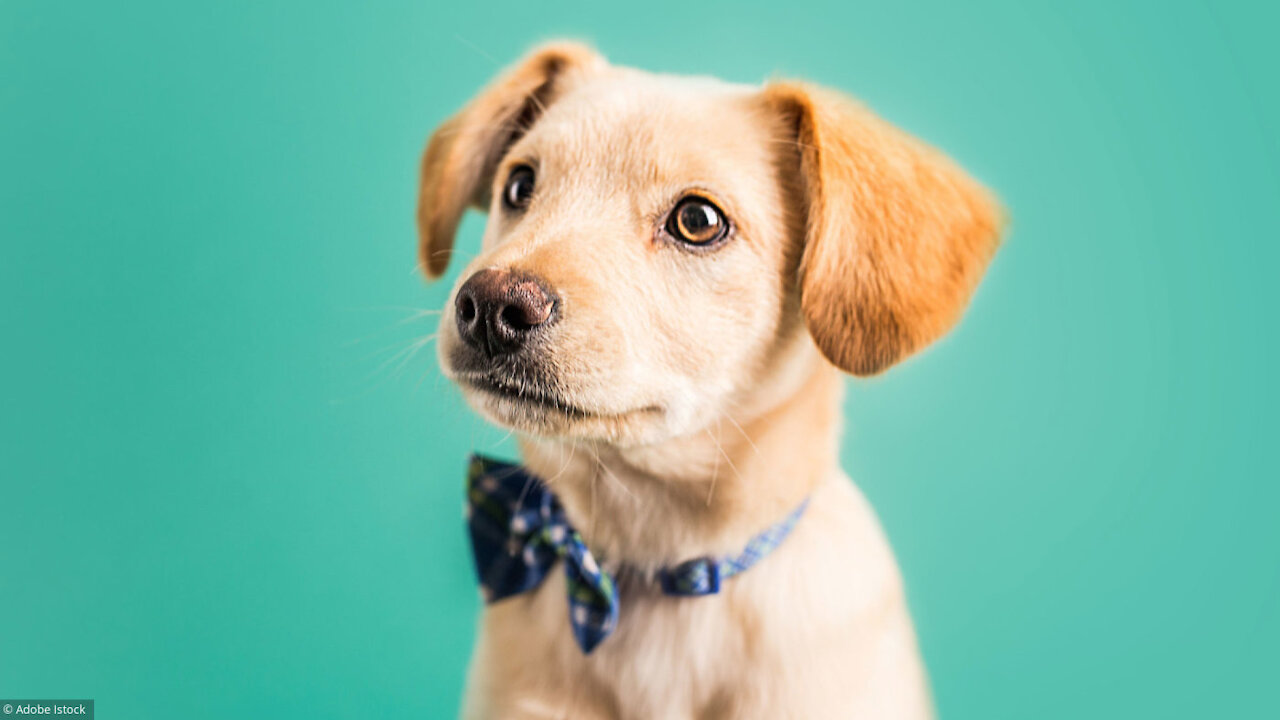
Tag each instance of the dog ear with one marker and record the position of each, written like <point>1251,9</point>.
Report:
<point>896,236</point>
<point>460,159</point>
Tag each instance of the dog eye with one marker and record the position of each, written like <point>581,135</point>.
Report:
<point>696,221</point>
<point>519,188</point>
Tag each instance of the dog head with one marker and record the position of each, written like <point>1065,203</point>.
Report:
<point>662,251</point>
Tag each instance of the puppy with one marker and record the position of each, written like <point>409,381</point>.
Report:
<point>674,273</point>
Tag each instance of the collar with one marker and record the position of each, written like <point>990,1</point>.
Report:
<point>519,530</point>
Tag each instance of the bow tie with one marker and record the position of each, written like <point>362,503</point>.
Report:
<point>519,530</point>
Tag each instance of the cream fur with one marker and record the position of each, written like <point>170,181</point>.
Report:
<point>708,410</point>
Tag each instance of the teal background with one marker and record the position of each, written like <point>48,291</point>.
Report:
<point>229,488</point>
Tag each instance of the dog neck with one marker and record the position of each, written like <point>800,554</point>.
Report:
<point>706,493</point>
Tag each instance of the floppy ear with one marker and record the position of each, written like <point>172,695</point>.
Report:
<point>458,165</point>
<point>896,236</point>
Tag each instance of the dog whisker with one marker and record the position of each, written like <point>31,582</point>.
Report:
<point>715,473</point>
<point>503,438</point>
<point>745,436</point>
<point>450,132</point>
<point>399,347</point>
<point>609,474</point>
<point>447,251</point>
<point>415,314</point>
<point>564,460</point>
<point>476,48</point>
<point>404,355</point>
<point>594,514</point>
<point>727,459</point>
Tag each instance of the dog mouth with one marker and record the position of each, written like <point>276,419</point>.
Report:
<point>524,397</point>
<point>524,394</point>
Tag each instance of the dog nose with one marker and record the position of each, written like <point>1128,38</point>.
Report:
<point>498,310</point>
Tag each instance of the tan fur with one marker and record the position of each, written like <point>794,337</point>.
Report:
<point>898,237</point>
<point>705,410</point>
<point>465,149</point>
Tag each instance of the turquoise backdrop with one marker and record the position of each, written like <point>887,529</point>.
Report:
<point>229,487</point>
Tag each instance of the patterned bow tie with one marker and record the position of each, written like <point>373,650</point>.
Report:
<point>519,530</point>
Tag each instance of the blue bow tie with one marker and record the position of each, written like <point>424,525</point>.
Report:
<point>519,530</point>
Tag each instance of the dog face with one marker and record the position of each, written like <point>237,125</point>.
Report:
<point>662,252</point>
